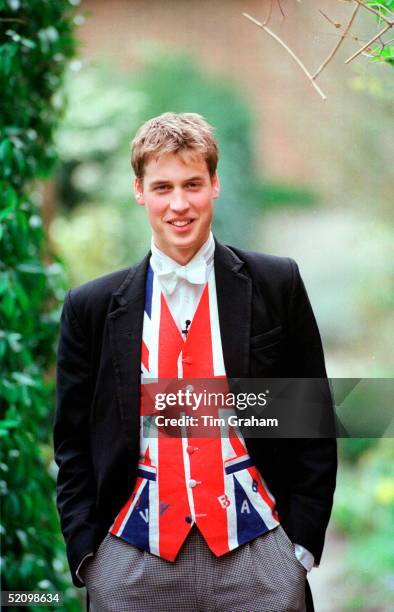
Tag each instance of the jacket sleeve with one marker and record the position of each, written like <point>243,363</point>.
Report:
<point>312,461</point>
<point>76,487</point>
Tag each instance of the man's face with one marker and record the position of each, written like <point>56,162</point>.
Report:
<point>178,195</point>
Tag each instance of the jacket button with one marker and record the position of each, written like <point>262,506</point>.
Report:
<point>190,450</point>
<point>187,359</point>
<point>192,482</point>
<point>188,519</point>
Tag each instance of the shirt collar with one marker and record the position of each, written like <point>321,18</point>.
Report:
<point>161,262</point>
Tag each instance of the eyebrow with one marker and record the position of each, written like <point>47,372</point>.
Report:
<point>167,181</point>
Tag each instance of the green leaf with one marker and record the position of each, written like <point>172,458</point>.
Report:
<point>5,151</point>
<point>30,267</point>
<point>8,304</point>
<point>7,211</point>
<point>4,282</point>
<point>24,379</point>
<point>15,342</point>
<point>9,423</point>
<point>21,296</point>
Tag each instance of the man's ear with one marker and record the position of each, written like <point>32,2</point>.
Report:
<point>139,191</point>
<point>216,185</point>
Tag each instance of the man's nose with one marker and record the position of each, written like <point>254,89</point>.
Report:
<point>179,202</point>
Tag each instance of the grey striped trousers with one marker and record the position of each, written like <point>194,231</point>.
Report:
<point>263,575</point>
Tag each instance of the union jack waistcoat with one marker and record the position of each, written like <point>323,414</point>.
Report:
<point>207,481</point>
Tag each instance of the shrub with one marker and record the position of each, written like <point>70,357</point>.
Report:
<point>36,43</point>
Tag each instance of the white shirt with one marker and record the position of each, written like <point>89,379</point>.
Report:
<point>184,300</point>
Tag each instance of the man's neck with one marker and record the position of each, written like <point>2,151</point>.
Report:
<point>182,257</point>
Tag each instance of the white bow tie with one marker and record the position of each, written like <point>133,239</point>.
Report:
<point>194,272</point>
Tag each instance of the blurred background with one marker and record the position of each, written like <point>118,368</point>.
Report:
<point>301,177</point>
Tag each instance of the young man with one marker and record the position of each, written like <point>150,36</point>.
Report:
<point>180,523</point>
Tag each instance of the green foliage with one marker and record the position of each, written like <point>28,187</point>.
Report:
<point>36,41</point>
<point>273,195</point>
<point>99,224</point>
<point>385,8</point>
<point>352,449</point>
<point>385,54</point>
<point>364,512</point>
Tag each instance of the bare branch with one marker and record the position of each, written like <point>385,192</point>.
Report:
<point>349,36</point>
<point>382,7</point>
<point>334,23</point>
<point>281,9</point>
<point>289,51</point>
<point>339,43</point>
<point>377,13</point>
<point>267,19</point>
<point>369,43</point>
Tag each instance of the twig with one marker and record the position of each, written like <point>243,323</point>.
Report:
<point>269,13</point>
<point>340,41</point>
<point>334,23</point>
<point>349,36</point>
<point>293,55</point>
<point>378,35</point>
<point>369,8</point>
<point>382,7</point>
<point>281,9</point>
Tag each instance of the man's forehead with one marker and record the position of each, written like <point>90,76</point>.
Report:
<point>184,163</point>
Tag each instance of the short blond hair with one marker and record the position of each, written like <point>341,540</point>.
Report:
<point>180,133</point>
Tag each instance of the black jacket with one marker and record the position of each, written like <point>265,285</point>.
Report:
<point>267,329</point>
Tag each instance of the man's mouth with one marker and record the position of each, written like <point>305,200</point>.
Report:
<point>179,223</point>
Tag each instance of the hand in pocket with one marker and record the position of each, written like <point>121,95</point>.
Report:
<point>84,566</point>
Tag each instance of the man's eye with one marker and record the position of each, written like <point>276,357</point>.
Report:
<point>161,187</point>
<point>194,185</point>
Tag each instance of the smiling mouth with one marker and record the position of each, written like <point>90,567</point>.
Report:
<point>181,223</point>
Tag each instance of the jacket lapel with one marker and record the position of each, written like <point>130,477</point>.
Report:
<point>234,297</point>
<point>125,331</point>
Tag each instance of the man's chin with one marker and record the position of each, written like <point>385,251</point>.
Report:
<point>185,241</point>
<point>182,247</point>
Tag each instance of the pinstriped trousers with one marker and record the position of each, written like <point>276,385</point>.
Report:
<point>263,575</point>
